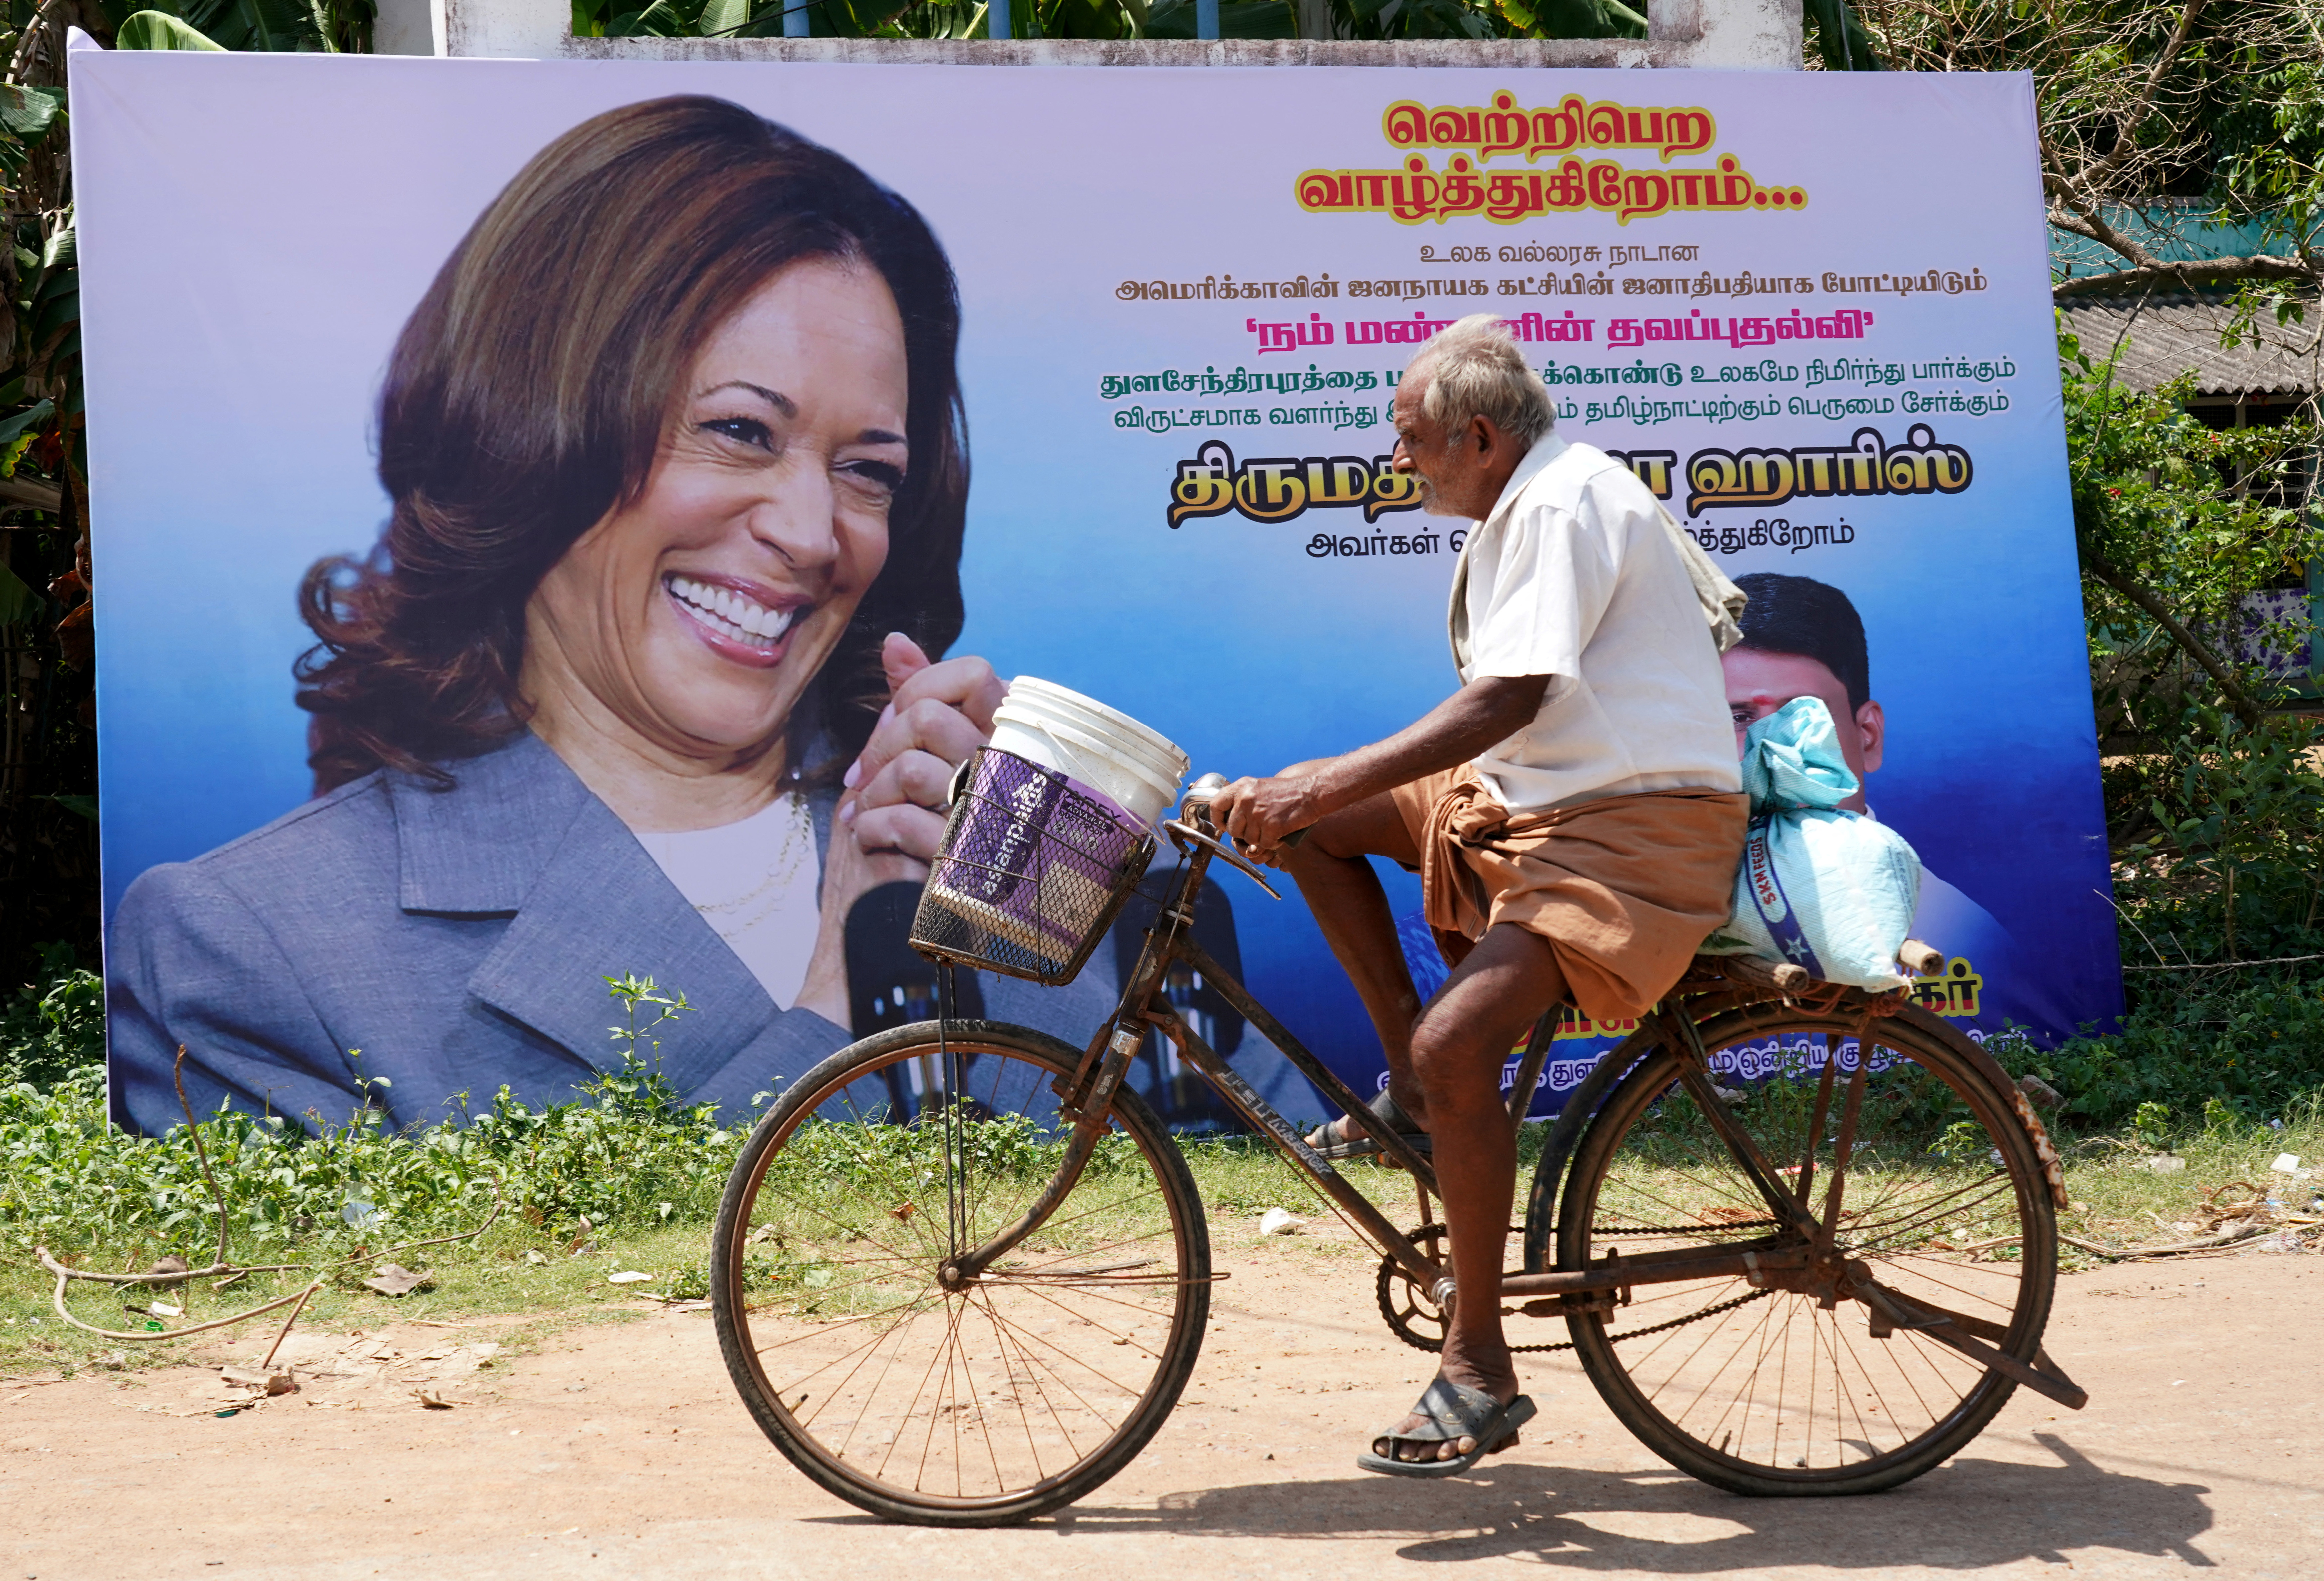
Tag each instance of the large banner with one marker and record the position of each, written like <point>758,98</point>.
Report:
<point>498,463</point>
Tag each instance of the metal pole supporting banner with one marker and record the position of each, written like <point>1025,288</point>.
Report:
<point>1207,19</point>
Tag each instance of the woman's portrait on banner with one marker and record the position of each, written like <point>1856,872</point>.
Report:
<point>644,672</point>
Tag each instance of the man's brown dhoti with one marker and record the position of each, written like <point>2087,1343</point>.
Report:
<point>1624,890</point>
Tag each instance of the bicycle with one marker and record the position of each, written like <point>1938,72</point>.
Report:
<point>961,1272</point>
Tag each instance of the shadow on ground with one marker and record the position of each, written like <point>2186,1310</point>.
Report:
<point>1967,1516</point>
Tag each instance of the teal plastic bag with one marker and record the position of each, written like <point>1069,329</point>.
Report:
<point>1831,891</point>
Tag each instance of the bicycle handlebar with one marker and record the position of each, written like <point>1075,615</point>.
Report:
<point>1203,791</point>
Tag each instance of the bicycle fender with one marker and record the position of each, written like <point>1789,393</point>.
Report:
<point>2052,1170</point>
<point>1564,1135</point>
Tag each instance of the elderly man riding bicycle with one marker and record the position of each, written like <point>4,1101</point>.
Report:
<point>1573,810</point>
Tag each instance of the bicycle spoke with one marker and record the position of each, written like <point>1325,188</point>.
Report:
<point>821,1330</point>
<point>987,1393</point>
<point>1742,1343</point>
<point>1003,1338</point>
<point>1067,1383</point>
<point>1930,1210</point>
<point>1798,1391</point>
<point>1921,1274</point>
<point>1068,1219</point>
<point>873,1391</point>
<point>1110,1334</point>
<point>898,1192</point>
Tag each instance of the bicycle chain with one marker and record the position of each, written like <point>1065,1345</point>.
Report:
<point>1711,1311</point>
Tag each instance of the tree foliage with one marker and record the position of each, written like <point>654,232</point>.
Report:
<point>48,768</point>
<point>2175,523</point>
<point>2204,100</point>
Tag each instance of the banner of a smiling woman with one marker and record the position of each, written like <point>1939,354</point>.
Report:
<point>562,520</point>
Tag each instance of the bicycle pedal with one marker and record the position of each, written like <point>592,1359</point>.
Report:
<point>1566,1306</point>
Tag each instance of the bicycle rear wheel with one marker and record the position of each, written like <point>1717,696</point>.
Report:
<point>989,1403</point>
<point>1799,1385</point>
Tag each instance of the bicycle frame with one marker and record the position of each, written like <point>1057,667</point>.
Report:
<point>1085,1098</point>
<point>1781,1259</point>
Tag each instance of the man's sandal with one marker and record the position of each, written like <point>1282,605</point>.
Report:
<point>1454,1412</point>
<point>1325,1138</point>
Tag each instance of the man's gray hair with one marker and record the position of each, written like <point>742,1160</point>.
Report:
<point>1475,370</point>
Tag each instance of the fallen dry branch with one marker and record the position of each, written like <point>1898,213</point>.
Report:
<point>2231,1213</point>
<point>285,1333</point>
<point>223,1269</point>
<point>226,1270</point>
<point>2226,965</point>
<point>65,1275</point>
<point>2217,1241</point>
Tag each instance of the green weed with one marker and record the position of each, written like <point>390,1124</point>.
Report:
<point>629,1178</point>
<point>50,1029</point>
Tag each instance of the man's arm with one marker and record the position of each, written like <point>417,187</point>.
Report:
<point>1488,711</point>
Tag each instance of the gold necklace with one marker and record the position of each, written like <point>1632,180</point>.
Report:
<point>798,840</point>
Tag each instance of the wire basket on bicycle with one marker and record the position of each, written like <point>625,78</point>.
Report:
<point>1032,871</point>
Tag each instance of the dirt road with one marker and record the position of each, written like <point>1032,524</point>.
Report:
<point>621,1451</point>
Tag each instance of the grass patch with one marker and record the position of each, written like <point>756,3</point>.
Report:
<point>2117,1200</point>
<point>631,1176</point>
<point>526,1272</point>
<point>634,1178</point>
<point>493,1278</point>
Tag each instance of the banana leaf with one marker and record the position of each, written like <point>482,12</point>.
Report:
<point>18,603</point>
<point>157,29</point>
<point>1840,39</point>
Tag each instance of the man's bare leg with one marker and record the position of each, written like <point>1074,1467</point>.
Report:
<point>1458,1048</point>
<point>1444,1066</point>
<point>1349,905</point>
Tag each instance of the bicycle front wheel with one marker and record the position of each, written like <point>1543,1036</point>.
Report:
<point>1014,1394</point>
<point>1797,1381</point>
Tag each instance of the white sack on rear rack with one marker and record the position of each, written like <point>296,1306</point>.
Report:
<point>1832,891</point>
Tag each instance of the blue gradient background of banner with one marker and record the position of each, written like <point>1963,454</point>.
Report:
<point>235,333</point>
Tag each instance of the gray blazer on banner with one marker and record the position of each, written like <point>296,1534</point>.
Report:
<point>458,939</point>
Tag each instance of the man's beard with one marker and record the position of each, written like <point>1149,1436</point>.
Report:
<point>1431,501</point>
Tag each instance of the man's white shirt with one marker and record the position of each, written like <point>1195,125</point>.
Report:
<point>1573,575</point>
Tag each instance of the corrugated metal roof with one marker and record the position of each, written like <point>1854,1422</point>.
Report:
<point>2167,333</point>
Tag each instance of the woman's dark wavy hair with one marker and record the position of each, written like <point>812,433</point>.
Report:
<point>528,397</point>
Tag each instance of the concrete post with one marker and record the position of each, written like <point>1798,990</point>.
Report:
<point>407,27</point>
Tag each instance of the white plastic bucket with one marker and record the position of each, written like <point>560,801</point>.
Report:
<point>1109,751</point>
<point>1094,718</point>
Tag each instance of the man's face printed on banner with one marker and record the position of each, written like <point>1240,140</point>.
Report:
<point>1759,682</point>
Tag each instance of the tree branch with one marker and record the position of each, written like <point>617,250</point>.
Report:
<point>2125,140</point>
<point>32,494</point>
<point>2189,643</point>
<point>2082,221</point>
<point>2186,273</point>
<point>31,40</point>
